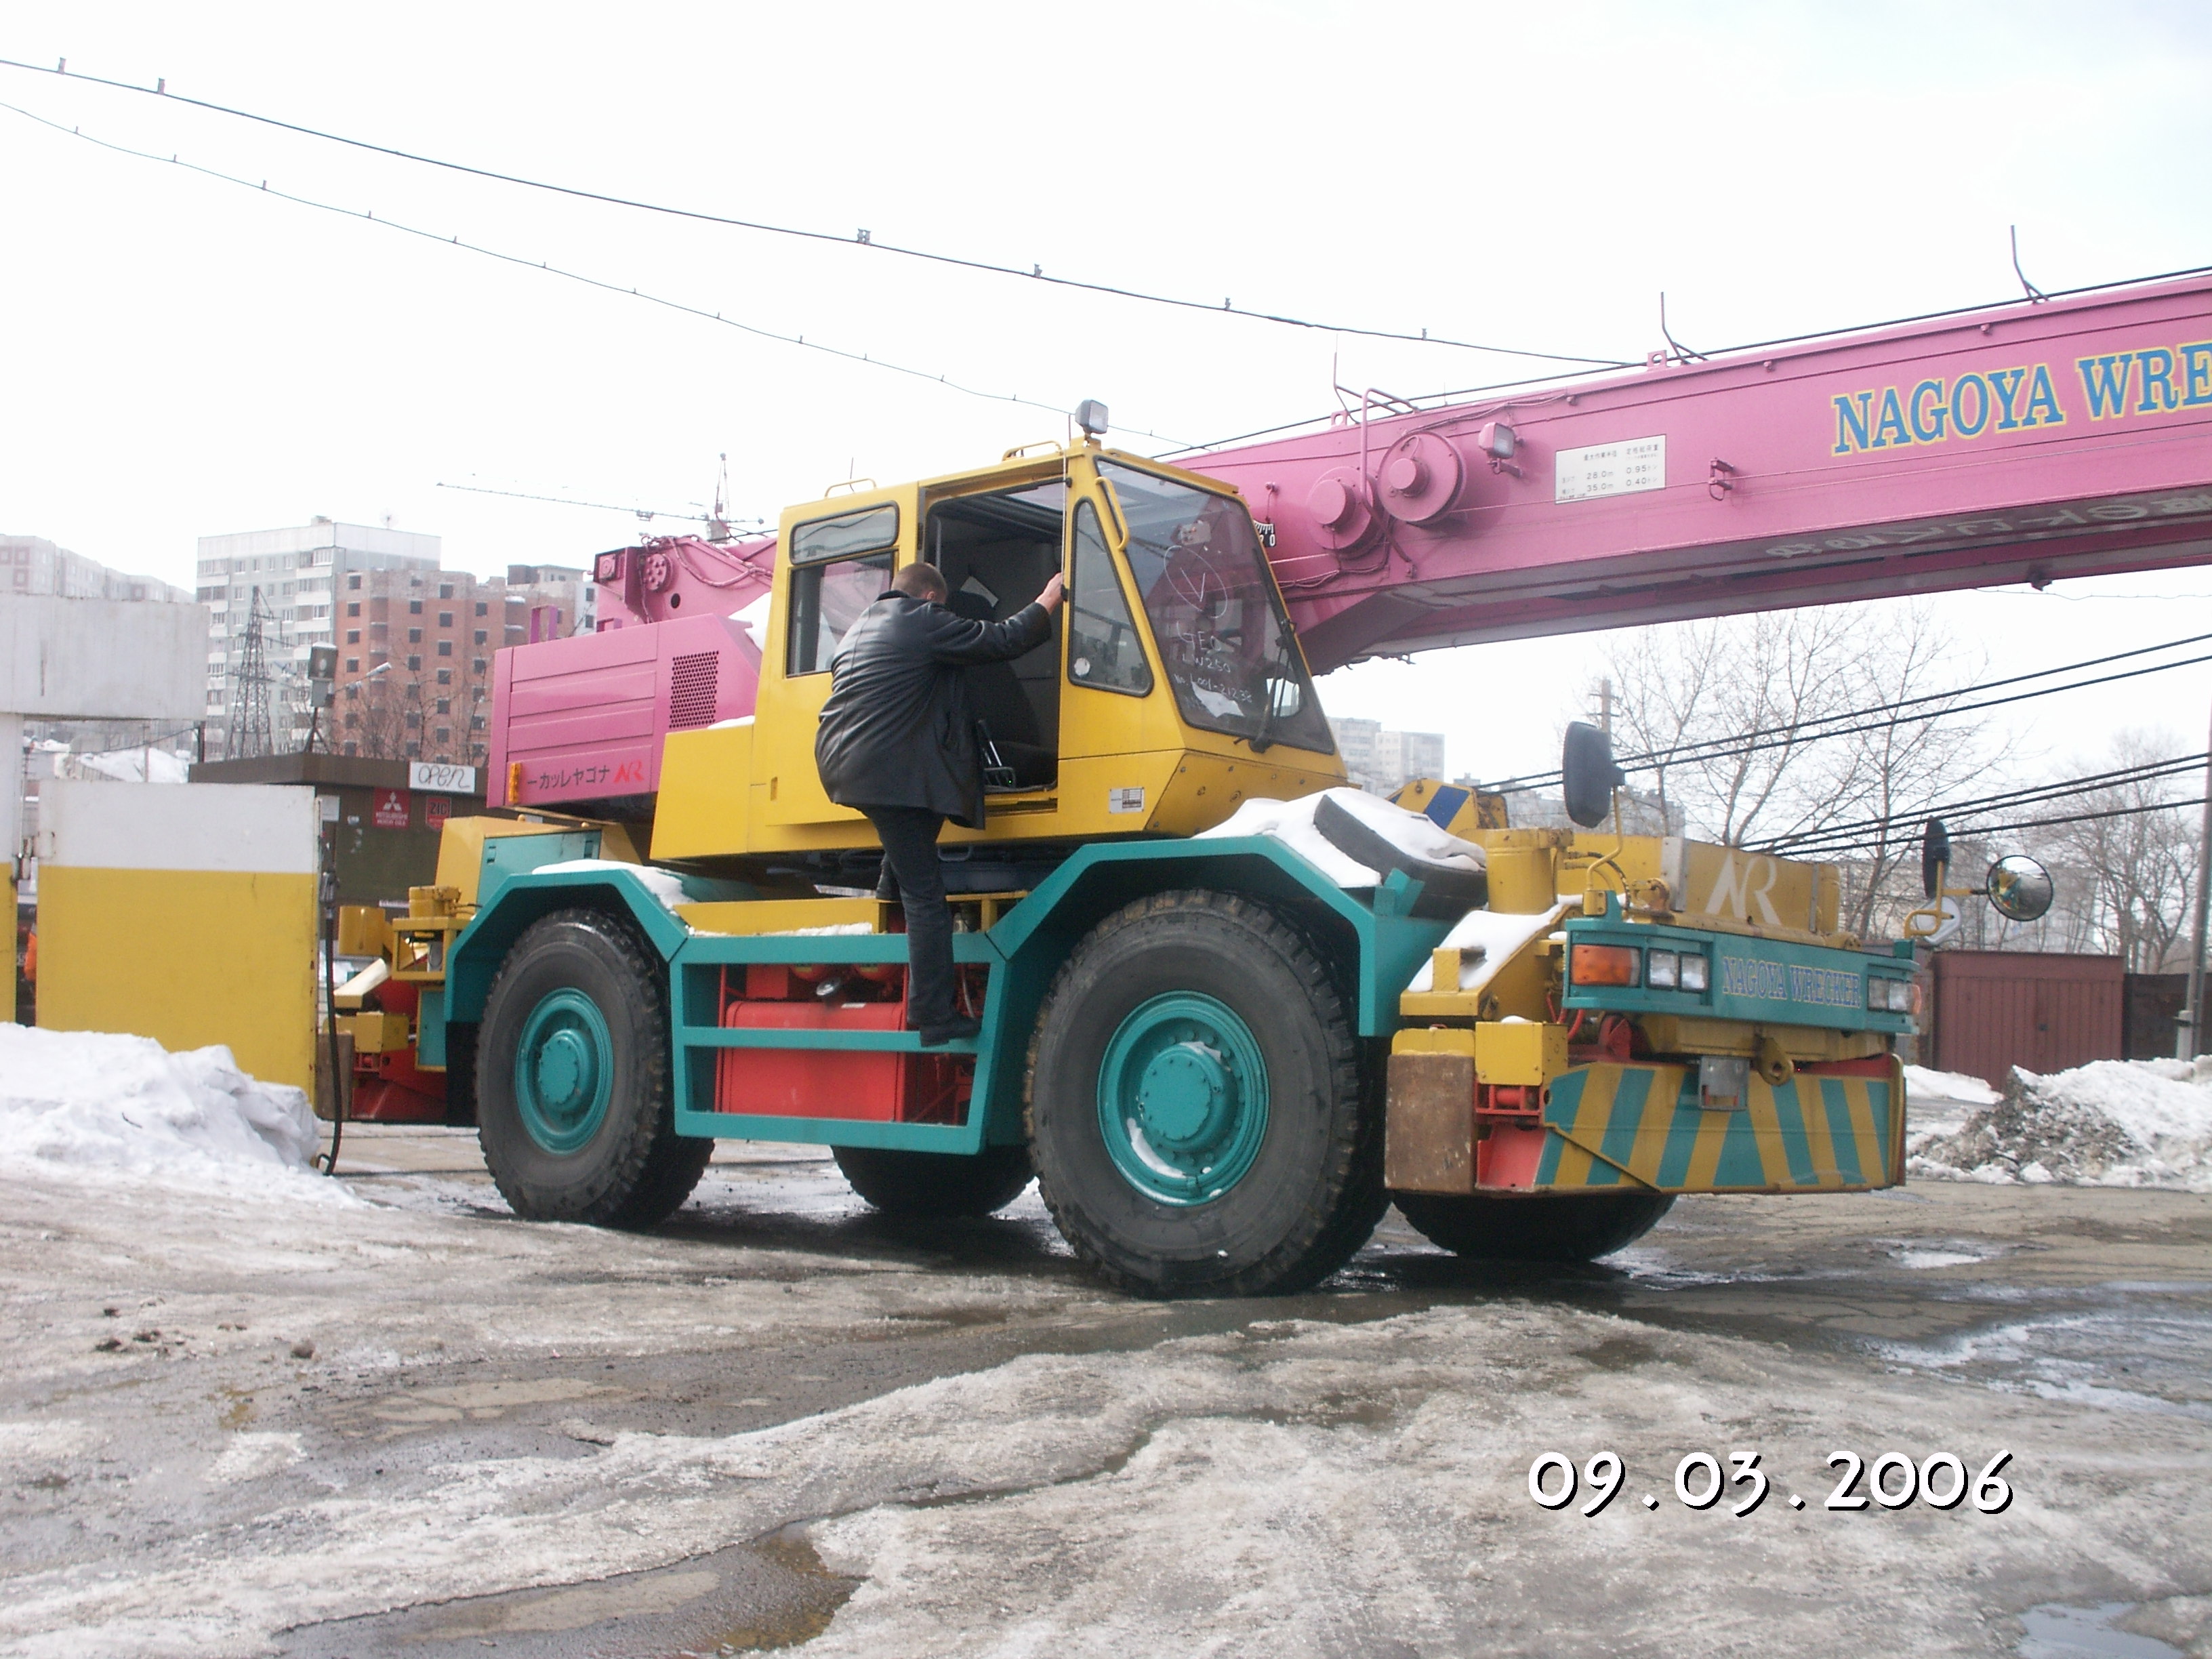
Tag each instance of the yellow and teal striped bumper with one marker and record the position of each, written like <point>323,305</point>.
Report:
<point>1613,1126</point>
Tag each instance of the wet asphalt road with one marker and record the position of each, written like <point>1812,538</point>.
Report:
<point>411,1426</point>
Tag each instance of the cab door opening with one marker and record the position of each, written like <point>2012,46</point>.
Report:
<point>997,552</point>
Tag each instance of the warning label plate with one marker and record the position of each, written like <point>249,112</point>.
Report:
<point>1618,469</point>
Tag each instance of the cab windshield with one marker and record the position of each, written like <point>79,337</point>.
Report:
<point>1223,636</point>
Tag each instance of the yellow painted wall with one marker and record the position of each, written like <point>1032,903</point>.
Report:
<point>187,957</point>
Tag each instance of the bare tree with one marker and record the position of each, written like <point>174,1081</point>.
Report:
<point>2127,878</point>
<point>390,718</point>
<point>1759,729</point>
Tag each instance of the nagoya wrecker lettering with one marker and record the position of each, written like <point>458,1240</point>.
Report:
<point>1775,981</point>
<point>2115,385</point>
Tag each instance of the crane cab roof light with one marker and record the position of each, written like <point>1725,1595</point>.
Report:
<point>1090,416</point>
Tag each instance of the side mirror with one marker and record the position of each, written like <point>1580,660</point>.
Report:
<point>1589,774</point>
<point>1934,854</point>
<point>2019,889</point>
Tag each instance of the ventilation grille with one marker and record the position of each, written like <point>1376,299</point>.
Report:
<point>691,680</point>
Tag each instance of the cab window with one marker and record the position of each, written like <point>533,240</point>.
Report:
<point>830,586</point>
<point>1223,639</point>
<point>1104,651</point>
<point>826,600</point>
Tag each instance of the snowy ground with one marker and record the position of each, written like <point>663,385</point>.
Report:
<point>393,1420</point>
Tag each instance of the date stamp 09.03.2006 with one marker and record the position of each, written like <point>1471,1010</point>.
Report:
<point>1893,1481</point>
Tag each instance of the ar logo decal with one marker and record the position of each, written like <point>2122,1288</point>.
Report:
<point>1745,880</point>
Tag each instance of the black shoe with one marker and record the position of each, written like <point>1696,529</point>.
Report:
<point>960,1030</point>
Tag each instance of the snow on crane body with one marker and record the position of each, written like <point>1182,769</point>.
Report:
<point>1230,1009</point>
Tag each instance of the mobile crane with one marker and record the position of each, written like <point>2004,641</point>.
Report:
<point>1225,1032</point>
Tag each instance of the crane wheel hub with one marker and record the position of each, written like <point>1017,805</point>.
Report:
<point>1183,1098</point>
<point>564,1071</point>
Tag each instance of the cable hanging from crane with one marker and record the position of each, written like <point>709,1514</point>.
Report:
<point>860,239</point>
<point>263,188</point>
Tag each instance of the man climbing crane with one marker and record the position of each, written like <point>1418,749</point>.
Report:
<point>897,742</point>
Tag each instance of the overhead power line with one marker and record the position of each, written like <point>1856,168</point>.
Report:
<point>1982,831</point>
<point>1875,831</point>
<point>367,216</point>
<point>646,513</point>
<point>1754,743</point>
<point>1668,756</point>
<point>860,239</point>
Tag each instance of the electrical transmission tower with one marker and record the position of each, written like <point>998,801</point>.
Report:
<point>250,686</point>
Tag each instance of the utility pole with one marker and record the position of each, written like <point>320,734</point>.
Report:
<point>2192,1013</point>
<point>1605,706</point>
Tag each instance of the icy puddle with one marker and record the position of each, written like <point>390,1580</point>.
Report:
<point>2062,1632</point>
<point>2137,1352</point>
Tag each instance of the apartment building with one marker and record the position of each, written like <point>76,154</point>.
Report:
<point>1380,759</point>
<point>298,574</point>
<point>416,650</point>
<point>33,565</point>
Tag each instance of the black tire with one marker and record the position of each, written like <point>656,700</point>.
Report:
<point>634,1170</point>
<point>461,1077</point>
<point>1542,1227</point>
<point>1312,1190</point>
<point>925,1184</point>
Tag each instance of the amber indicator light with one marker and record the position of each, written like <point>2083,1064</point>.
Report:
<point>1602,964</point>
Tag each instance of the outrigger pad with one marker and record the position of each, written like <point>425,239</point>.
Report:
<point>1448,891</point>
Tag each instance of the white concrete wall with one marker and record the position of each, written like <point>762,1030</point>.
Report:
<point>215,827</point>
<point>102,658</point>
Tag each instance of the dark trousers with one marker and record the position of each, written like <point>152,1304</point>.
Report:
<point>909,838</point>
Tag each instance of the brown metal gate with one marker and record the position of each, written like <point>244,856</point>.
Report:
<point>1998,1009</point>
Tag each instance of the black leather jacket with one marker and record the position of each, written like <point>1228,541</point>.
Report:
<point>897,730</point>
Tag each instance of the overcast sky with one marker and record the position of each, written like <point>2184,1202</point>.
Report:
<point>183,356</point>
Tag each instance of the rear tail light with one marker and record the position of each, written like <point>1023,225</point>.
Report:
<point>1603,964</point>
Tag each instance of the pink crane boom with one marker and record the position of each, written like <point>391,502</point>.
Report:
<point>2023,442</point>
<point>2019,442</point>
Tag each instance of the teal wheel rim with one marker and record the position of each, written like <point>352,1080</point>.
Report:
<point>564,1071</point>
<point>1183,1098</point>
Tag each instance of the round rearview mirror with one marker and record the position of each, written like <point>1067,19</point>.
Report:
<point>1934,854</point>
<point>2019,888</point>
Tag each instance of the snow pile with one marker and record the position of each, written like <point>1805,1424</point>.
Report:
<point>90,1101</point>
<point>1955,1087</point>
<point>125,766</point>
<point>2110,1123</point>
<point>1291,822</point>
